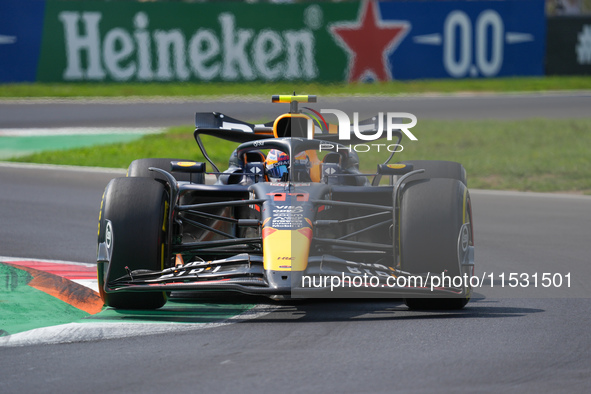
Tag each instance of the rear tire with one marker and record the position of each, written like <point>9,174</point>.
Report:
<point>432,212</point>
<point>137,210</point>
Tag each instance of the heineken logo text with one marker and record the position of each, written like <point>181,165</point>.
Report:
<point>229,53</point>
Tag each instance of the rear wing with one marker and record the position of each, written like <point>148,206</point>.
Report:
<point>308,124</point>
<point>288,125</point>
<point>231,129</point>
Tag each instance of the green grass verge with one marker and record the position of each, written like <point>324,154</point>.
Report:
<point>528,155</point>
<point>516,84</point>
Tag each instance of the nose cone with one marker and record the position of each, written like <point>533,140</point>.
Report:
<point>286,250</point>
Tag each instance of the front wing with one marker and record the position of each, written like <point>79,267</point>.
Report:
<point>325,276</point>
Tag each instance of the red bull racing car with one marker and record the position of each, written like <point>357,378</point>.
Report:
<point>292,216</point>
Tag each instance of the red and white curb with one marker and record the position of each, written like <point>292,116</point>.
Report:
<point>81,273</point>
<point>85,274</point>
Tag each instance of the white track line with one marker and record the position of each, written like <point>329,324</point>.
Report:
<point>95,331</point>
<point>10,258</point>
<point>34,166</point>
<point>510,193</point>
<point>51,132</point>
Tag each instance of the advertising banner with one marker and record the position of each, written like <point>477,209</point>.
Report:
<point>21,25</point>
<point>467,39</point>
<point>569,46</point>
<point>325,42</point>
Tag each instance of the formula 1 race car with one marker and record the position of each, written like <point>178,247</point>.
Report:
<point>293,216</point>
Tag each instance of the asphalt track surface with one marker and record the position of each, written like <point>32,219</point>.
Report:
<point>527,341</point>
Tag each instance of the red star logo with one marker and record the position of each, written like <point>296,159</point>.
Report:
<point>369,41</point>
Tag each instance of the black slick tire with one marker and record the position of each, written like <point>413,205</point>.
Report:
<point>136,209</point>
<point>432,212</point>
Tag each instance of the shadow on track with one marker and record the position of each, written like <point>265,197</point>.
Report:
<point>215,308</point>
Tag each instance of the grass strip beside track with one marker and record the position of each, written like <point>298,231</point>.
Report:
<point>527,155</point>
<point>19,146</point>
<point>100,89</point>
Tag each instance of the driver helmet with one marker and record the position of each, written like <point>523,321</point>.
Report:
<point>277,163</point>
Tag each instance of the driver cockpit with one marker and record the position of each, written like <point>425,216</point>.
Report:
<point>264,162</point>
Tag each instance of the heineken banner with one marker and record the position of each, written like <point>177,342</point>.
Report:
<point>217,41</point>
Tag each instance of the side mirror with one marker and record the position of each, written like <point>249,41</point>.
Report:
<point>187,166</point>
<point>394,169</point>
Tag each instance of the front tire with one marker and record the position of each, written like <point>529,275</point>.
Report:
<point>136,209</point>
<point>432,212</point>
